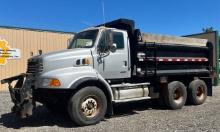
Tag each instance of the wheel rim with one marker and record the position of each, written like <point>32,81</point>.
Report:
<point>90,107</point>
<point>178,95</point>
<point>200,92</point>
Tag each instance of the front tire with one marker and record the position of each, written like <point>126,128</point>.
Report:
<point>176,95</point>
<point>87,106</point>
<point>197,92</point>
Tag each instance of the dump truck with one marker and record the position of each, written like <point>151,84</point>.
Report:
<point>114,63</point>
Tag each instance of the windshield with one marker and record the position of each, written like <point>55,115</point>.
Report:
<point>84,39</point>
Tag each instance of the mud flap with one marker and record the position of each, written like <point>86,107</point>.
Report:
<point>208,81</point>
<point>21,94</point>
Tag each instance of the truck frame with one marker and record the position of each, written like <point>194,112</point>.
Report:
<point>109,64</point>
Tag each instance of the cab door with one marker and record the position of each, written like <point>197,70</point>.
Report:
<point>116,64</point>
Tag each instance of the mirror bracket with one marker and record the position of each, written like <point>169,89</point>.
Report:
<point>113,47</point>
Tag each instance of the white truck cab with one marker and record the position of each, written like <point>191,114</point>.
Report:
<point>102,59</point>
<point>87,55</point>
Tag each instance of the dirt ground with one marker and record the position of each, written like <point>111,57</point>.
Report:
<point>132,117</point>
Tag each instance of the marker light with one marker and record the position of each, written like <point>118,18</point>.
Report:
<point>54,83</point>
<point>86,61</point>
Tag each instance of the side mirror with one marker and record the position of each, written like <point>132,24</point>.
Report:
<point>68,45</point>
<point>69,42</point>
<point>109,38</point>
<point>113,47</point>
<point>106,41</point>
<point>138,36</point>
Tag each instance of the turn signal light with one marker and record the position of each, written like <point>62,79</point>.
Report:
<point>55,83</point>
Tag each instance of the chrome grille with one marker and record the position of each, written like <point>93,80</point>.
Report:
<point>34,67</point>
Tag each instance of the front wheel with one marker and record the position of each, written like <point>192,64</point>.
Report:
<point>87,106</point>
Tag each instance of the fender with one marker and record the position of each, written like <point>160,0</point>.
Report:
<point>105,87</point>
<point>99,80</point>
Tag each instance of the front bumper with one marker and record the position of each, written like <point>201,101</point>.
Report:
<point>52,96</point>
<point>21,94</point>
<point>24,95</point>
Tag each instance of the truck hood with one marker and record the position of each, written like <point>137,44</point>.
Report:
<point>65,54</point>
<point>62,59</point>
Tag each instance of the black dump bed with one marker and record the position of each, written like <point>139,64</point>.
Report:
<point>163,55</point>
<point>163,59</point>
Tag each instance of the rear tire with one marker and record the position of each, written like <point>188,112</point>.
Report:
<point>197,92</point>
<point>176,95</point>
<point>87,106</point>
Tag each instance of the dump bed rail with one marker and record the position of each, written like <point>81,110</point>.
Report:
<point>167,39</point>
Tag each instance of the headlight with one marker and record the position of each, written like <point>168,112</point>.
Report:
<point>51,82</point>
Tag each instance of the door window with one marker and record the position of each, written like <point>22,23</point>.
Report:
<point>118,39</point>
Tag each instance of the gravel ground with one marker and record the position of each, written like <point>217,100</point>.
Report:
<point>134,117</point>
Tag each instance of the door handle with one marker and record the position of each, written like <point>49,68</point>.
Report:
<point>125,63</point>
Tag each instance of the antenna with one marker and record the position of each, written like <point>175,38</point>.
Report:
<point>103,15</point>
<point>103,12</point>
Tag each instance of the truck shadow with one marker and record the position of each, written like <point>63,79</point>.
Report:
<point>126,109</point>
<point>43,117</point>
